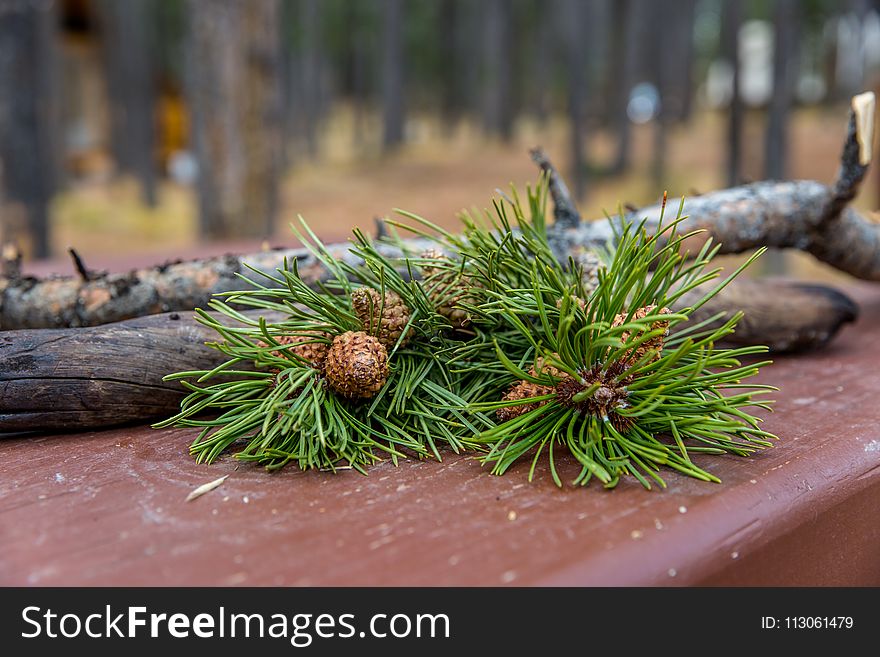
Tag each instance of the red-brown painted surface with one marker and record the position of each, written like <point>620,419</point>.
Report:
<point>108,507</point>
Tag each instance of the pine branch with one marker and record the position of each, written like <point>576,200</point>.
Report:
<point>604,371</point>
<point>350,373</point>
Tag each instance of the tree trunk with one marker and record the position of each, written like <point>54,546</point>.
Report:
<point>575,23</point>
<point>731,20</point>
<point>452,87</point>
<point>360,51</point>
<point>28,121</point>
<point>679,49</point>
<point>127,32</point>
<point>661,66</point>
<point>785,67</point>
<point>290,82</point>
<point>624,62</point>
<point>540,68</point>
<point>313,91</point>
<point>498,55</point>
<point>392,74</point>
<point>234,91</point>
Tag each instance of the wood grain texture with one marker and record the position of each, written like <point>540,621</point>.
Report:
<point>108,508</point>
<point>99,376</point>
<point>786,316</point>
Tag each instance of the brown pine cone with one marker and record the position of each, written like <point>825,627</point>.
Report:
<point>311,352</point>
<point>517,391</point>
<point>356,364</point>
<point>446,288</point>
<point>655,343</point>
<point>544,368</point>
<point>368,305</point>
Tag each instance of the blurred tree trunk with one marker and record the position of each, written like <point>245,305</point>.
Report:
<point>312,72</point>
<point>731,20</point>
<point>498,83</point>
<point>677,43</point>
<point>574,17</point>
<point>785,67</point>
<point>392,74</point>
<point>28,121</point>
<point>127,39</point>
<point>541,64</point>
<point>598,36</point>
<point>290,83</point>
<point>359,68</point>
<point>669,59</point>
<point>660,65</point>
<point>452,88</point>
<point>849,40</point>
<point>234,91</point>
<point>472,51</point>
<point>624,54</point>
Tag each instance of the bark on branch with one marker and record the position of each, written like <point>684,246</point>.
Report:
<point>99,376</point>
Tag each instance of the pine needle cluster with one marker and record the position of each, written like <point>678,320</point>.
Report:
<point>335,376</point>
<point>484,342</point>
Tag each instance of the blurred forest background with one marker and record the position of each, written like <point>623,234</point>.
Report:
<point>143,130</point>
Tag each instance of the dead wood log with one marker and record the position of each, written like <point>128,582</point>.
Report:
<point>73,379</point>
<point>806,215</point>
<point>787,316</point>
<point>101,376</point>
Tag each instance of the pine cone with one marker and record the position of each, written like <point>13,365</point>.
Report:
<point>574,300</point>
<point>544,368</point>
<point>311,352</point>
<point>655,343</point>
<point>446,288</point>
<point>368,304</point>
<point>356,364</point>
<point>517,391</point>
<point>432,254</point>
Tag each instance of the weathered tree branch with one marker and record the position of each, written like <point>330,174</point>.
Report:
<point>565,211</point>
<point>79,265</point>
<point>99,376</point>
<point>801,214</point>
<point>786,316</point>
<point>804,215</point>
<point>57,379</point>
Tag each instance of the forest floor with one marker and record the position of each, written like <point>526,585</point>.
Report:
<point>435,175</point>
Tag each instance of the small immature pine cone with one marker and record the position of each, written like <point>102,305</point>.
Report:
<point>356,365</point>
<point>311,352</point>
<point>368,305</point>
<point>521,390</point>
<point>542,367</point>
<point>574,300</point>
<point>447,289</point>
<point>655,343</point>
<point>432,254</point>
